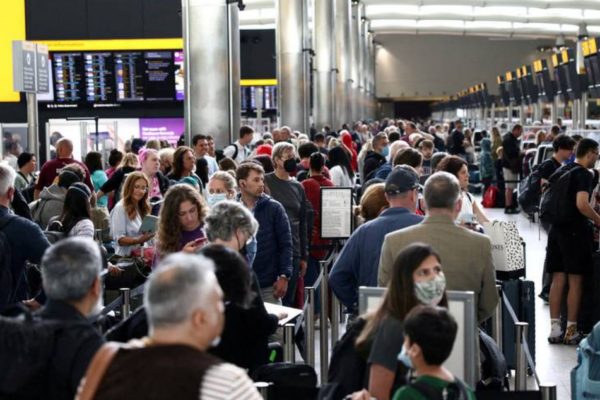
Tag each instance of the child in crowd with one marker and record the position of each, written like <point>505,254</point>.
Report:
<point>426,149</point>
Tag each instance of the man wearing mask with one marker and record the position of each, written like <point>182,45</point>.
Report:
<point>291,195</point>
<point>377,157</point>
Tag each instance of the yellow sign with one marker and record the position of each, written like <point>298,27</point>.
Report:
<point>12,27</point>
<point>114,44</point>
<point>538,66</point>
<point>565,57</point>
<point>593,46</point>
<point>555,60</point>
<point>499,79</point>
<point>585,48</point>
<point>509,76</point>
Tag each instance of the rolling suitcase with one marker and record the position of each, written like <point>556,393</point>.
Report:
<point>521,295</point>
<point>589,312</point>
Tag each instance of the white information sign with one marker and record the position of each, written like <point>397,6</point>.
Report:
<point>336,212</point>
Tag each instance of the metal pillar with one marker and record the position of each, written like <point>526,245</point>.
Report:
<point>309,325</point>
<point>325,75</point>
<point>521,329</point>
<point>291,64</point>
<point>548,391</point>
<point>323,320</point>
<point>583,109</point>
<point>492,118</point>
<point>289,354</point>
<point>372,75</point>
<point>364,60</point>
<point>126,306</point>
<point>510,116</point>
<point>335,320</point>
<point>342,51</point>
<point>357,10</point>
<point>554,110</point>
<point>33,143</point>
<point>575,107</point>
<point>212,69</point>
<point>497,320</point>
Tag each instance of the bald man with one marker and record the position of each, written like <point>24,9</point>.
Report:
<point>51,168</point>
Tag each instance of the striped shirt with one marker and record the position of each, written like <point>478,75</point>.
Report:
<point>226,381</point>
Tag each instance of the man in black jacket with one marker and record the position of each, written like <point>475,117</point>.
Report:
<point>456,146</point>
<point>376,158</point>
<point>511,166</point>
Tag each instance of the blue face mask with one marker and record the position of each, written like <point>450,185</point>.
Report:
<point>404,358</point>
<point>250,250</point>
<point>385,151</point>
<point>213,199</point>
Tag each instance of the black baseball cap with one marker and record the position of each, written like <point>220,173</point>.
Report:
<point>402,179</point>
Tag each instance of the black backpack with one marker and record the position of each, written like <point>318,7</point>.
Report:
<point>220,154</point>
<point>26,350</point>
<point>7,281</point>
<point>288,381</point>
<point>530,191</point>
<point>494,371</point>
<point>556,207</point>
<point>347,368</point>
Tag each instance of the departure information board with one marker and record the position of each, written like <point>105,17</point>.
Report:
<point>99,77</point>
<point>129,76</point>
<point>159,76</point>
<point>68,77</point>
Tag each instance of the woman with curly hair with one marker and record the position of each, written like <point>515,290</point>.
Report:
<point>126,218</point>
<point>181,222</point>
<point>184,163</point>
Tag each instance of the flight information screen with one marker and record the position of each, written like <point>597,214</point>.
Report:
<point>68,77</point>
<point>99,77</point>
<point>159,76</point>
<point>129,76</point>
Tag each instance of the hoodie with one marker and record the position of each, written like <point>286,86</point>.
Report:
<point>486,163</point>
<point>50,204</point>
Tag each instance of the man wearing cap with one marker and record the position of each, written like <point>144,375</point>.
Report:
<point>358,262</point>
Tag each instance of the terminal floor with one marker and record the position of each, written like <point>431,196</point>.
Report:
<point>553,362</point>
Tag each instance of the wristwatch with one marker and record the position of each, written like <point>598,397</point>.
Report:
<point>283,276</point>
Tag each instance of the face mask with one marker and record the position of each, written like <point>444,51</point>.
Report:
<point>431,292</point>
<point>213,199</point>
<point>385,151</point>
<point>289,165</point>
<point>404,358</point>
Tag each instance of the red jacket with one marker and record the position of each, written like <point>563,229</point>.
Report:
<point>312,188</point>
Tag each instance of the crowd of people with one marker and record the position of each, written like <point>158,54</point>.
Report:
<point>240,227</point>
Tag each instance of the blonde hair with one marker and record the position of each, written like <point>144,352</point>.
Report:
<point>373,201</point>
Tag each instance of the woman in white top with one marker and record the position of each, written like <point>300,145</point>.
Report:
<point>126,218</point>
<point>75,219</point>
<point>471,212</point>
<point>339,168</point>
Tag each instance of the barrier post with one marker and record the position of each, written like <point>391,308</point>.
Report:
<point>335,319</point>
<point>289,354</point>
<point>309,326</point>
<point>263,389</point>
<point>521,329</point>
<point>324,321</point>
<point>497,320</point>
<point>125,307</point>
<point>548,391</point>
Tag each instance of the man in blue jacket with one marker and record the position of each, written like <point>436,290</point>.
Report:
<point>358,262</point>
<point>273,261</point>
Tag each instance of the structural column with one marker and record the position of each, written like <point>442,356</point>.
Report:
<point>371,75</point>
<point>324,61</point>
<point>292,74</point>
<point>363,71</point>
<point>342,57</point>
<point>212,69</point>
<point>355,58</point>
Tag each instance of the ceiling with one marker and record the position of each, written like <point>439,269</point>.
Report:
<point>494,18</point>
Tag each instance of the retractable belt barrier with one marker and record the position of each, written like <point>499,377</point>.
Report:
<point>118,302</point>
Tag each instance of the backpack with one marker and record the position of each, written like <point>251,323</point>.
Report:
<point>490,197</point>
<point>220,154</point>
<point>454,391</point>
<point>7,281</point>
<point>494,371</point>
<point>555,206</point>
<point>55,232</point>
<point>585,377</point>
<point>26,350</point>
<point>347,368</point>
<point>288,381</point>
<point>530,191</point>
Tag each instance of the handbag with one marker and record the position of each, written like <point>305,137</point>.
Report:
<point>508,249</point>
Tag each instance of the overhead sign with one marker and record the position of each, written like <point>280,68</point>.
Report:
<point>24,55</point>
<point>42,69</point>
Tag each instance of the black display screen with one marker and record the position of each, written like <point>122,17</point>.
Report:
<point>129,76</point>
<point>545,85</point>
<point>504,95</point>
<point>159,76</point>
<point>68,77</point>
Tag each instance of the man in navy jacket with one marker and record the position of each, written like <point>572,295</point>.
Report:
<point>273,261</point>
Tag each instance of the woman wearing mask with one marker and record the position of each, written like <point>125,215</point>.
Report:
<point>184,163</point>
<point>126,218</point>
<point>417,279</point>
<point>181,222</point>
<point>221,186</point>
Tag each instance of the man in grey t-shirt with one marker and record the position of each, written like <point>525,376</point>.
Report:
<point>291,195</point>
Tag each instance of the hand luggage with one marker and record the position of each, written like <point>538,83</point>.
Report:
<point>288,381</point>
<point>585,377</point>
<point>508,249</point>
<point>521,296</point>
<point>589,312</point>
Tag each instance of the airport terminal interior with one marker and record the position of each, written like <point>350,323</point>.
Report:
<point>300,199</point>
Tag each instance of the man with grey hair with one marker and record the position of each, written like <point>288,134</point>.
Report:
<point>185,308</point>
<point>466,256</point>
<point>73,287</point>
<point>290,193</point>
<point>20,240</point>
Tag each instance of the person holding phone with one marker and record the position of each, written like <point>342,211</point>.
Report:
<point>181,222</point>
<point>126,218</point>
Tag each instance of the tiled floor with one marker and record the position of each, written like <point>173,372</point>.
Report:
<point>555,362</point>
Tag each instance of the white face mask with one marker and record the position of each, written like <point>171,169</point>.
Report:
<point>213,199</point>
<point>431,292</point>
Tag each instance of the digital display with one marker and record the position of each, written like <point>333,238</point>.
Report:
<point>546,86</point>
<point>159,78</point>
<point>129,76</point>
<point>504,93</point>
<point>179,75</point>
<point>592,69</point>
<point>68,77</point>
<point>99,77</point>
<point>561,81</point>
<point>515,92</point>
